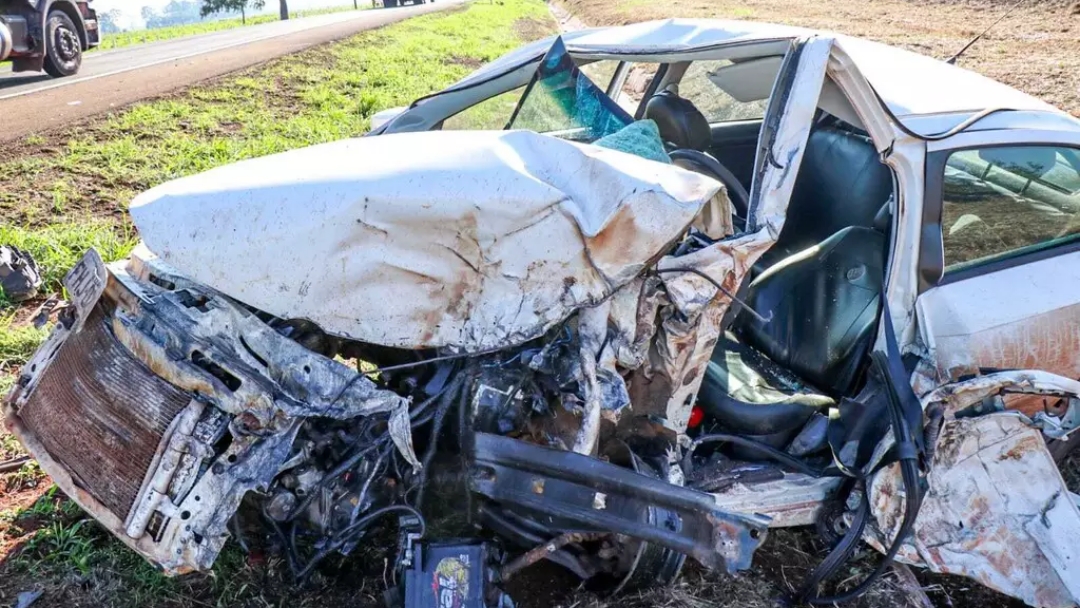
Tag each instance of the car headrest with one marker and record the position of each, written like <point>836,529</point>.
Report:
<point>680,123</point>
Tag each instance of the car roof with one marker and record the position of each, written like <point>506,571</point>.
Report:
<point>911,84</point>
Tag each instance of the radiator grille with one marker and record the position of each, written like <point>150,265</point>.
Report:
<point>101,414</point>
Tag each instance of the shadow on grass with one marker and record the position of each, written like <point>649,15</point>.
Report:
<point>48,544</point>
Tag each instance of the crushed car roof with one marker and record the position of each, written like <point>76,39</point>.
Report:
<point>911,84</point>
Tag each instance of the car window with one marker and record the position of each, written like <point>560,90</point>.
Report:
<point>561,100</point>
<point>600,72</point>
<point>632,90</point>
<point>717,105</point>
<point>1005,200</point>
<point>491,114</point>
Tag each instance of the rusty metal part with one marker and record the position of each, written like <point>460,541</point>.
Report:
<point>690,325</point>
<point>100,407</point>
<point>794,500</point>
<point>14,464</point>
<point>593,495</point>
<point>102,413</point>
<point>540,552</point>
<point>995,510</point>
<point>154,493</point>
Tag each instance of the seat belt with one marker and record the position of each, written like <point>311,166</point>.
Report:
<point>906,422</point>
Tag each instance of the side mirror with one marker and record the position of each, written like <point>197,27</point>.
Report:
<point>384,116</point>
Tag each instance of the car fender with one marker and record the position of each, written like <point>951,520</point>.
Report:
<point>996,508</point>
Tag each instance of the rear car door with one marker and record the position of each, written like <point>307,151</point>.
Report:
<point>1000,258</point>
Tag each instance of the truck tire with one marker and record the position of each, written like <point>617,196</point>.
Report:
<point>63,50</point>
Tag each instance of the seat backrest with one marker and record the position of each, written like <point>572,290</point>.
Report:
<point>680,123</point>
<point>824,303</point>
<point>841,183</point>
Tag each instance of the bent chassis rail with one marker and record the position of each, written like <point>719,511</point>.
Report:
<point>596,495</point>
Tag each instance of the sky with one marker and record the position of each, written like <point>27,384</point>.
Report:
<point>131,9</point>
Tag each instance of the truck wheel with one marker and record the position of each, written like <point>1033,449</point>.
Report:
<point>63,50</point>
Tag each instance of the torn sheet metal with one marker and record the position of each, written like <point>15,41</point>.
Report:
<point>117,413</point>
<point>471,240</point>
<point>961,395</point>
<point>1050,402</point>
<point>996,508</point>
<point>690,325</point>
<point>793,500</point>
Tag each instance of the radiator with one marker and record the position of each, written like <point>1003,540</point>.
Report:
<point>102,414</point>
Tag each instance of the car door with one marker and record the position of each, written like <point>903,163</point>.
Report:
<point>1000,258</point>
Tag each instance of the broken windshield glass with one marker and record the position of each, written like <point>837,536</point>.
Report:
<point>562,101</point>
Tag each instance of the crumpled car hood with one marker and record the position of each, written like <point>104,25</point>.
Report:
<point>471,240</point>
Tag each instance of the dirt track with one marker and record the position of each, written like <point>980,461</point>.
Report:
<point>99,87</point>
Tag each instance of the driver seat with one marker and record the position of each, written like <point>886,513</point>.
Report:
<point>686,132</point>
<point>765,380</point>
<point>680,123</point>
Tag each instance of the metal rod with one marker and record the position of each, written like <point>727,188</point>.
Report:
<point>539,552</point>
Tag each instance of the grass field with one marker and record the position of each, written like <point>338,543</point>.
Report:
<point>62,192</point>
<point>122,39</point>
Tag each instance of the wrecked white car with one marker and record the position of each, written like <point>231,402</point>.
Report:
<point>713,277</point>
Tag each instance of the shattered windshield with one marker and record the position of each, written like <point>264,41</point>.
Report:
<point>562,101</point>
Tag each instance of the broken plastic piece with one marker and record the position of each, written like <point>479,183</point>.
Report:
<point>20,277</point>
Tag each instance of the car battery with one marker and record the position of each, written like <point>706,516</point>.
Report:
<point>452,575</point>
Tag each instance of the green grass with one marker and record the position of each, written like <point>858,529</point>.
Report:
<point>122,39</point>
<point>10,447</point>
<point>17,343</point>
<point>318,96</point>
<point>63,192</point>
<point>57,247</point>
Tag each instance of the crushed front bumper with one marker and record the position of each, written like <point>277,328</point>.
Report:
<point>156,404</point>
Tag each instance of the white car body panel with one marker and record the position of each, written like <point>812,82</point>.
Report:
<point>996,508</point>
<point>469,240</point>
<point>977,322</point>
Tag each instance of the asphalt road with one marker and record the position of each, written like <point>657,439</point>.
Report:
<point>31,102</point>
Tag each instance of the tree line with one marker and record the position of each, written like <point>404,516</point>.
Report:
<point>179,12</point>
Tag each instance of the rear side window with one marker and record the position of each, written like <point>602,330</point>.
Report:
<point>1006,200</point>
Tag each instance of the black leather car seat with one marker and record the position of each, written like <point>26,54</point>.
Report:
<point>680,123</point>
<point>821,281</point>
<point>765,380</point>
<point>841,183</point>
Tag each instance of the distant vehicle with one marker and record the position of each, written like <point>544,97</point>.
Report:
<point>47,35</point>
<point>396,3</point>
